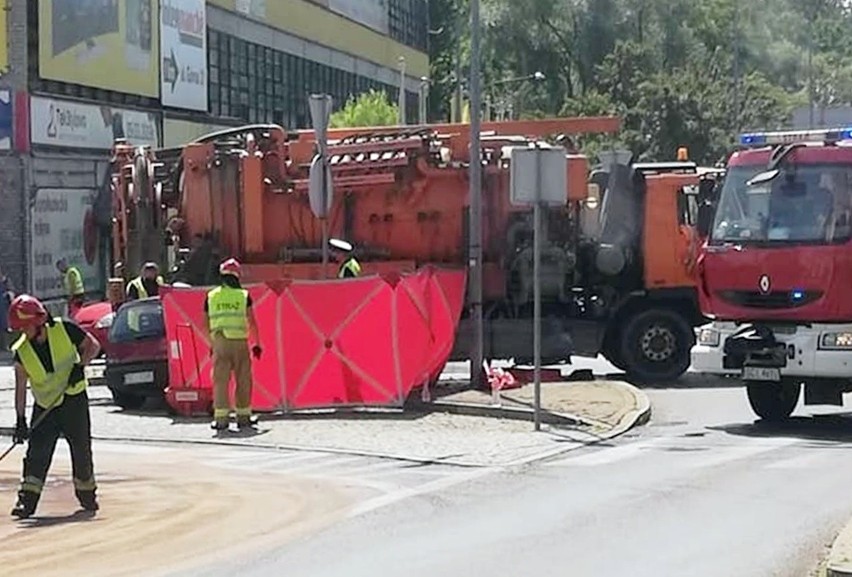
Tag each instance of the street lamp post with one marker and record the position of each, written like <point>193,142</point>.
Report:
<point>422,100</point>
<point>538,76</point>
<point>475,194</point>
<point>401,99</point>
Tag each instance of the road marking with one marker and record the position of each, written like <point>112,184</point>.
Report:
<point>799,462</point>
<point>607,456</point>
<point>129,448</point>
<point>326,464</point>
<point>406,493</point>
<point>737,452</point>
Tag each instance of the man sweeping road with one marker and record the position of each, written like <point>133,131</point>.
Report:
<point>51,354</point>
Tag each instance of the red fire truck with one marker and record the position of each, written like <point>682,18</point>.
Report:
<point>776,272</point>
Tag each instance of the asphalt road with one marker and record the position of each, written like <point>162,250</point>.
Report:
<point>703,490</point>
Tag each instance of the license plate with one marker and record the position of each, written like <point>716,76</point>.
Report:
<point>761,374</point>
<point>139,378</point>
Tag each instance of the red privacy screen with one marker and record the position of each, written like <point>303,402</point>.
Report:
<point>338,343</point>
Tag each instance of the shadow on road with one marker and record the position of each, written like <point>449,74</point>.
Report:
<point>53,520</point>
<point>687,381</point>
<point>822,429</point>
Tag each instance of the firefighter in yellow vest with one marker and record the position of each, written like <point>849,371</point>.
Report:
<point>51,354</point>
<point>74,289</point>
<point>230,321</point>
<point>147,284</point>
<point>341,251</point>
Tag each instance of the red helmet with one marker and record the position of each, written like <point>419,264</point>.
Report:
<point>231,267</point>
<point>26,311</point>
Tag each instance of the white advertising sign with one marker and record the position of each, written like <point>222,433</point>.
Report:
<point>183,50</point>
<point>63,225</point>
<point>78,125</point>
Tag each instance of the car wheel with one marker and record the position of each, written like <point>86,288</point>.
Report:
<point>128,401</point>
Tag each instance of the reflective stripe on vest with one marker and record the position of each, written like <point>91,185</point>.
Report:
<point>351,265</point>
<point>74,281</point>
<point>226,309</point>
<point>140,286</point>
<point>47,388</point>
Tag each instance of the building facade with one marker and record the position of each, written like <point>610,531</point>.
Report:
<point>76,74</point>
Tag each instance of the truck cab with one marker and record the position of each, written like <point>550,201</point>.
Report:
<point>776,269</point>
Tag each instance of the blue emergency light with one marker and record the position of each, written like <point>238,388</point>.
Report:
<point>791,136</point>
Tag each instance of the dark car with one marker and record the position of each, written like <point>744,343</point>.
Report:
<point>137,355</point>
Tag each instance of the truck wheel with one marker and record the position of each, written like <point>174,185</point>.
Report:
<point>655,346</point>
<point>773,402</point>
<point>128,401</point>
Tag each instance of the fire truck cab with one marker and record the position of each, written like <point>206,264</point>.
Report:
<point>775,274</point>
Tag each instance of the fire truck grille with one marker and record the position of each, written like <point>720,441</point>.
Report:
<point>771,300</point>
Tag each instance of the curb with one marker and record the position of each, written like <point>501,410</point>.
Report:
<point>839,562</point>
<point>639,416</point>
<point>501,412</point>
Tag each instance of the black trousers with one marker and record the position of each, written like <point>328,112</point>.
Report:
<point>71,420</point>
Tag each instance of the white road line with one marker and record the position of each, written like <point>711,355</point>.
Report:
<point>805,461</point>
<point>326,465</point>
<point>259,460</point>
<point>129,448</point>
<point>719,456</point>
<point>606,456</point>
<point>401,494</point>
<point>380,469</point>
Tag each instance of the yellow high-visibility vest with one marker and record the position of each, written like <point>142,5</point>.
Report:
<point>47,387</point>
<point>351,265</point>
<point>226,309</point>
<point>74,281</point>
<point>140,286</point>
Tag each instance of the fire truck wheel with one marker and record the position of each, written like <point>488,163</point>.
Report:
<point>655,346</point>
<point>773,402</point>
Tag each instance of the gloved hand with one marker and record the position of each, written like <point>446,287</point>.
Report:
<point>256,351</point>
<point>22,432</point>
<point>74,371</point>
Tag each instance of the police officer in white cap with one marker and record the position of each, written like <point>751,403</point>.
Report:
<point>341,251</point>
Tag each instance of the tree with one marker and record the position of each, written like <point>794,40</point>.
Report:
<point>369,109</point>
<point>678,72</point>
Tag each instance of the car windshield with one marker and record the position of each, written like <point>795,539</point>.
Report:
<point>803,204</point>
<point>138,320</point>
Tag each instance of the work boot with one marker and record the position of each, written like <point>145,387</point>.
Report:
<point>218,425</point>
<point>88,500</point>
<point>246,421</point>
<point>26,505</point>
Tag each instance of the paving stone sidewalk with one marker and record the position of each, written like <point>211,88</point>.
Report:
<point>600,409</point>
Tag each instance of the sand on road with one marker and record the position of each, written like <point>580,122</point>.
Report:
<point>161,510</point>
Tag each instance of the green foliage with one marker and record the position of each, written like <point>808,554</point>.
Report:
<point>678,72</point>
<point>369,109</point>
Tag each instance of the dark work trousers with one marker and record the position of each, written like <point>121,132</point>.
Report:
<point>71,420</point>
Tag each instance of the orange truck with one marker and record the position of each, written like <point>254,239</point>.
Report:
<point>616,262</point>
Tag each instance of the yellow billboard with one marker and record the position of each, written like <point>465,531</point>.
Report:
<point>108,44</point>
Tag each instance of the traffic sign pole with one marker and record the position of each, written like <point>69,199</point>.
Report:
<point>320,189</point>
<point>537,297</point>
<point>538,178</point>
